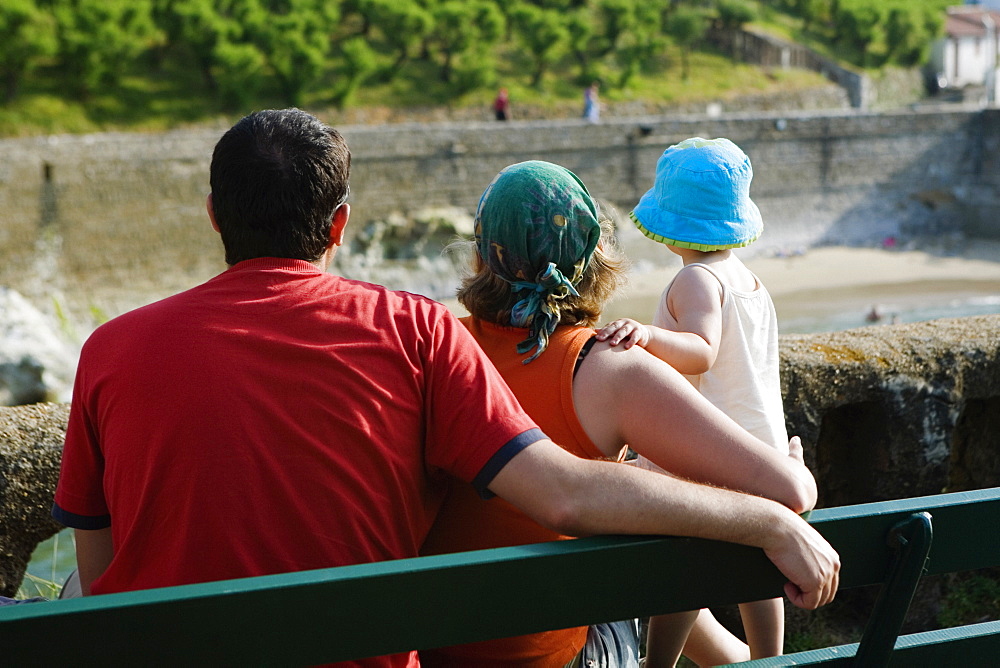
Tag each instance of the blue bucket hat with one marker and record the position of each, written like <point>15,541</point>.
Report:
<point>701,197</point>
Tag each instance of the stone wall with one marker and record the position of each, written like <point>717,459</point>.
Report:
<point>103,223</point>
<point>884,412</point>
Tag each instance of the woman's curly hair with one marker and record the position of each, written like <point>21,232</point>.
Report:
<point>488,297</point>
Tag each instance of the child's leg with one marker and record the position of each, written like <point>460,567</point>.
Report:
<point>764,624</point>
<point>711,644</point>
<point>666,636</point>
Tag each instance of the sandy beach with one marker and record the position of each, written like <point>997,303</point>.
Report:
<point>836,287</point>
<point>832,288</point>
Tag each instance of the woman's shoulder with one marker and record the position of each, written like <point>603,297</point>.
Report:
<point>607,364</point>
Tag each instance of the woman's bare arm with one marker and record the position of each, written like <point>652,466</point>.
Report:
<point>577,496</point>
<point>628,396</point>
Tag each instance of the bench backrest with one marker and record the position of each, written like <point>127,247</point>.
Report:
<point>372,609</point>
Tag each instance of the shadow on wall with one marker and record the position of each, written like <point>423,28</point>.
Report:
<point>947,192</point>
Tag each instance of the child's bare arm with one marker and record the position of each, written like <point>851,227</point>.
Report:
<point>677,349</point>
<point>690,342</point>
<point>694,317</point>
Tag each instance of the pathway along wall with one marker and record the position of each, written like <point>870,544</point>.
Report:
<point>109,222</point>
<point>885,412</point>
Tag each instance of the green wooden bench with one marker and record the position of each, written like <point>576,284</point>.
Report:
<point>371,609</point>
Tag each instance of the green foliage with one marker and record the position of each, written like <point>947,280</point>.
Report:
<point>639,47</point>
<point>972,599</point>
<point>404,25</point>
<point>238,72</point>
<point>734,14</point>
<point>27,35</point>
<point>153,63</point>
<point>461,35</point>
<point>872,33</point>
<point>360,62</point>
<point>686,27</point>
<point>98,39</point>
<point>544,34</point>
<point>294,36</point>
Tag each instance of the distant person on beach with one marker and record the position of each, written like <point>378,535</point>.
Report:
<point>592,103</point>
<point>715,322</point>
<point>501,105</point>
<point>545,263</point>
<point>281,418</point>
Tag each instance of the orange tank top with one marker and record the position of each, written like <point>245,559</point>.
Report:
<point>544,388</point>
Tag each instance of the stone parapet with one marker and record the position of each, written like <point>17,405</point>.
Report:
<point>884,412</point>
<point>896,411</point>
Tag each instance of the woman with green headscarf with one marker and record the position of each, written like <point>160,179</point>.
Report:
<point>544,266</point>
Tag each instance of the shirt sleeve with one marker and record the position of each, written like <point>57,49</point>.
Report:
<point>475,424</point>
<point>79,500</point>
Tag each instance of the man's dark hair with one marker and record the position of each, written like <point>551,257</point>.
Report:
<point>277,176</point>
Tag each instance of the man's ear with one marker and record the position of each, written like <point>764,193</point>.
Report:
<point>339,222</point>
<point>211,212</point>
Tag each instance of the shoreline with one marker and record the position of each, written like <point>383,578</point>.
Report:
<point>834,287</point>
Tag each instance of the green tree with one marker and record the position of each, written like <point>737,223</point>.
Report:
<point>240,71</point>
<point>734,14</point>
<point>686,27</point>
<point>813,12</point>
<point>544,34</point>
<point>404,25</point>
<point>581,32</point>
<point>464,29</point>
<point>99,39</point>
<point>27,35</point>
<point>359,62</point>
<point>640,45</point>
<point>208,32</point>
<point>909,32</point>
<point>858,25</point>
<point>294,36</point>
<point>617,18</point>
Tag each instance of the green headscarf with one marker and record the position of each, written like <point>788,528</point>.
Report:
<point>536,228</point>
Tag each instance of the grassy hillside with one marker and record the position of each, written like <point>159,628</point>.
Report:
<point>165,88</point>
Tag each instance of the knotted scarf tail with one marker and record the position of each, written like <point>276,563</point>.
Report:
<point>538,310</point>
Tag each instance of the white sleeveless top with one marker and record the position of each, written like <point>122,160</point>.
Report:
<point>743,382</point>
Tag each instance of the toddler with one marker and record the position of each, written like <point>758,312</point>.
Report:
<point>715,322</point>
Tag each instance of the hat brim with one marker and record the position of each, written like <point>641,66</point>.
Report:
<point>702,235</point>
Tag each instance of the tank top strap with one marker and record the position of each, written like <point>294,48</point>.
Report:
<point>725,288</point>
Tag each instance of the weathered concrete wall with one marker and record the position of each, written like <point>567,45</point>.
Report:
<point>897,411</point>
<point>31,440</point>
<point>885,412</point>
<point>112,221</point>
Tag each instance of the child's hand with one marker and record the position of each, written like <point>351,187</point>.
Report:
<point>624,330</point>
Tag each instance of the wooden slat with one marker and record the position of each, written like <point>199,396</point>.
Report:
<point>371,609</point>
<point>972,646</point>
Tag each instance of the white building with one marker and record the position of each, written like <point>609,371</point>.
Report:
<point>968,53</point>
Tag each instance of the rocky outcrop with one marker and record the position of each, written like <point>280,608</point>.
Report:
<point>31,439</point>
<point>35,364</point>
<point>888,412</point>
<point>884,412</point>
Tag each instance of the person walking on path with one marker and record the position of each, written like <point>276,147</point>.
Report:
<point>592,103</point>
<point>501,105</point>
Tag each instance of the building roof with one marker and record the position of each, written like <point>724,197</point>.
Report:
<point>970,21</point>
